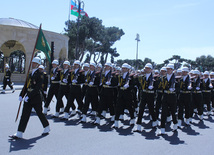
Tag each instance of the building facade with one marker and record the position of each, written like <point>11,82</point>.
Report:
<point>17,41</point>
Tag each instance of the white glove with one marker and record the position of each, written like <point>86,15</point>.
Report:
<point>100,84</point>
<point>8,79</point>
<point>150,87</point>
<point>52,78</point>
<point>171,89</point>
<point>86,80</point>
<point>197,88</point>
<point>91,83</point>
<point>65,80</point>
<point>45,92</point>
<point>20,99</point>
<point>210,86</point>
<point>74,81</point>
<point>189,87</point>
<point>108,83</point>
<point>26,98</point>
<point>126,86</point>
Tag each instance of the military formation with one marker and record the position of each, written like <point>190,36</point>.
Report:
<point>168,94</point>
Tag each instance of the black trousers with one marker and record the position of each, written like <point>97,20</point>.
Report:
<point>212,98</point>
<point>84,88</point>
<point>5,83</point>
<point>168,104</point>
<point>196,103</point>
<point>91,97</point>
<point>106,101</point>
<point>158,104</point>
<point>75,93</point>
<point>124,101</point>
<point>146,98</point>
<point>207,99</point>
<point>53,91</point>
<point>184,103</point>
<point>63,91</point>
<point>35,103</point>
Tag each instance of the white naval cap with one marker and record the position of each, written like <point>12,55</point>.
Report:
<point>77,62</point>
<point>66,63</point>
<point>93,64</point>
<point>206,73</point>
<point>99,65</point>
<point>41,67</point>
<point>86,65</point>
<point>211,73</point>
<point>37,60</point>
<point>185,69</point>
<point>125,65</point>
<point>163,69</point>
<point>157,71</point>
<point>179,70</point>
<point>6,66</point>
<point>56,62</point>
<point>170,66</point>
<point>196,72</point>
<point>148,65</point>
<point>108,64</point>
<point>142,70</point>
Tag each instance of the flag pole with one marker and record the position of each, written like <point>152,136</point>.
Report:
<point>69,10</point>
<point>28,71</point>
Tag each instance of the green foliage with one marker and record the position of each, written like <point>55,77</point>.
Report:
<point>95,40</point>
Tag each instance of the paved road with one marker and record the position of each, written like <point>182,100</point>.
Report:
<point>69,137</point>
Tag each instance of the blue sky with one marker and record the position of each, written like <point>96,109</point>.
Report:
<point>166,27</point>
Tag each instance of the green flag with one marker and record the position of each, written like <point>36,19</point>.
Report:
<point>43,45</point>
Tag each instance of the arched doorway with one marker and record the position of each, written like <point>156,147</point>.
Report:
<point>17,62</point>
<point>1,62</point>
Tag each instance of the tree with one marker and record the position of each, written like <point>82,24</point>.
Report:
<point>94,39</point>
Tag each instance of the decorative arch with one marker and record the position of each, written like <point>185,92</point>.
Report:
<point>13,53</point>
<point>17,62</point>
<point>1,62</point>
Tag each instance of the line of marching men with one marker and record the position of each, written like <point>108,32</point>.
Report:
<point>176,94</point>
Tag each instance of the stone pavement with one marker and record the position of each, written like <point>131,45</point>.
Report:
<point>69,137</point>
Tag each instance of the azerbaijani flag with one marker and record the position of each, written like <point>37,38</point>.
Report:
<point>74,12</point>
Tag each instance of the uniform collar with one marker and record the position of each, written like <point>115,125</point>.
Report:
<point>33,71</point>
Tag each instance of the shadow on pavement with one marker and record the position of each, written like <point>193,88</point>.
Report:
<point>189,131</point>
<point>173,139</point>
<point>150,135</point>
<point>23,144</point>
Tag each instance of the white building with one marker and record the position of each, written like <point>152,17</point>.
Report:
<point>17,41</point>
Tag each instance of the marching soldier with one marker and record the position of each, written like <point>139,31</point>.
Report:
<point>212,91</point>
<point>63,88</point>
<point>54,84</point>
<point>7,80</point>
<point>185,97</point>
<point>45,83</point>
<point>147,97</point>
<point>107,93</point>
<point>91,92</point>
<point>32,99</point>
<point>86,76</point>
<point>196,95</point>
<point>125,83</point>
<point>207,87</point>
<point>159,91</point>
<point>76,78</point>
<point>169,98</point>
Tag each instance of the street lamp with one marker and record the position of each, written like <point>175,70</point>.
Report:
<point>138,39</point>
<point>81,13</point>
